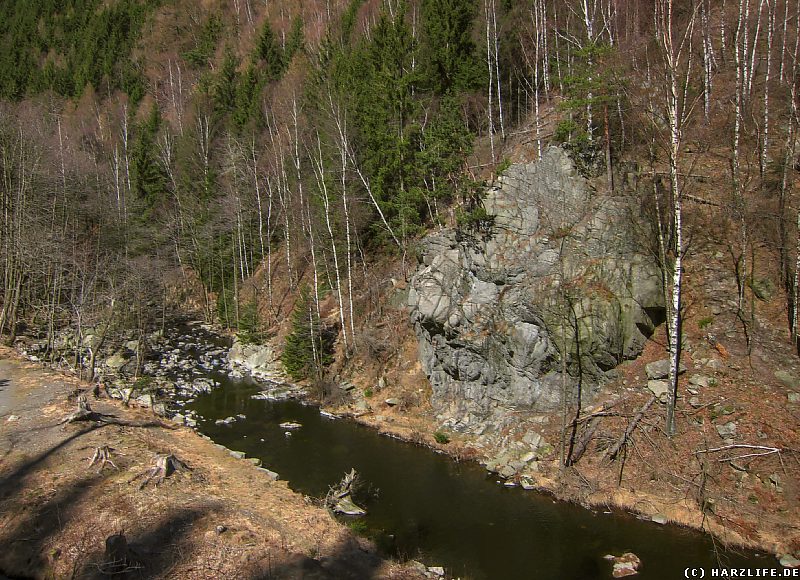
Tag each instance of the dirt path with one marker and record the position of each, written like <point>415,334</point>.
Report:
<point>222,518</point>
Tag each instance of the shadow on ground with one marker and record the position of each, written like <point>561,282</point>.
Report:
<point>347,561</point>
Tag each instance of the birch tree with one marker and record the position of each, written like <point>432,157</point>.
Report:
<point>675,48</point>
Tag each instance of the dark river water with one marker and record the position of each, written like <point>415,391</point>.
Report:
<point>431,508</point>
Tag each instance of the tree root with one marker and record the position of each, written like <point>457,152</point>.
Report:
<point>339,498</point>
<point>165,466</point>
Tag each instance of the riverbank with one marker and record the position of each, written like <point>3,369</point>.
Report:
<point>220,516</point>
<point>687,480</point>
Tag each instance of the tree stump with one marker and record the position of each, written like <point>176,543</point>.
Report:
<point>339,498</point>
<point>84,413</point>
<point>165,465</point>
<point>118,557</point>
<point>102,456</point>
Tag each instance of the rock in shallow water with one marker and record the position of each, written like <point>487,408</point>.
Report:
<point>626,565</point>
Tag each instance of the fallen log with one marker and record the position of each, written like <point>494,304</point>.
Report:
<point>586,437</point>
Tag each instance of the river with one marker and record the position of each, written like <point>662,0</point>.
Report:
<point>428,507</point>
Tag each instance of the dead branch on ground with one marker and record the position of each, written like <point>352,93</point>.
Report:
<point>615,449</point>
<point>760,451</point>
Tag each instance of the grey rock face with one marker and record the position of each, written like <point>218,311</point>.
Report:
<point>559,271</point>
<point>259,361</point>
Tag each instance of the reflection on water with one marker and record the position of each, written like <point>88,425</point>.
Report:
<point>445,513</point>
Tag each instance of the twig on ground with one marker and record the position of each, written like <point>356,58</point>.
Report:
<point>762,450</point>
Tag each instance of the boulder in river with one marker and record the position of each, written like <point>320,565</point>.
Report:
<point>789,561</point>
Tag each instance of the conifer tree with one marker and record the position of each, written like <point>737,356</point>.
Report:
<point>149,180</point>
<point>308,347</point>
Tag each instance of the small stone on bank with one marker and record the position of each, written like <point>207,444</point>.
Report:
<point>417,567</point>
<point>659,389</point>
<point>788,379</point>
<point>659,519</point>
<point>789,561</point>
<point>702,381</point>
<point>728,430</point>
<point>269,473</point>
<point>660,369</point>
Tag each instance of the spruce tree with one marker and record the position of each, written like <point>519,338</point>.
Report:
<point>308,347</point>
<point>149,180</point>
<point>269,53</point>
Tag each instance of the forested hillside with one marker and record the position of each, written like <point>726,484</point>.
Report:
<point>286,170</point>
<point>246,159</point>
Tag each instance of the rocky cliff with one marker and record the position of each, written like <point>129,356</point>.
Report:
<point>557,289</point>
